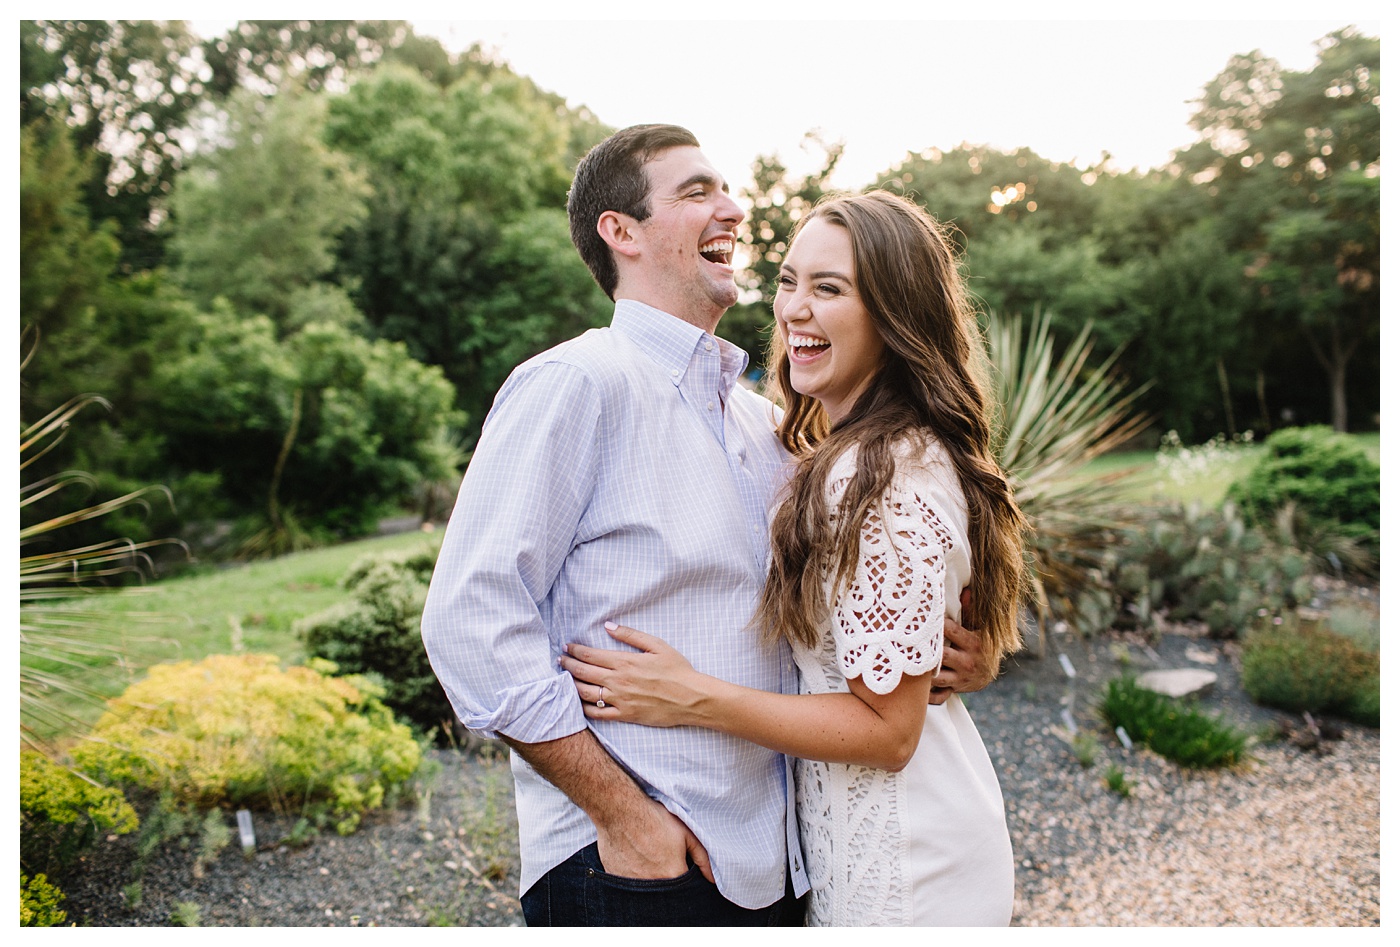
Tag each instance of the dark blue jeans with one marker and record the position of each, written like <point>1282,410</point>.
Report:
<point>579,893</point>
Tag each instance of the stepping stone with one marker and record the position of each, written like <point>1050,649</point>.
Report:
<point>1179,682</point>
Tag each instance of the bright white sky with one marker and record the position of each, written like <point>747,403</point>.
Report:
<point>748,85</point>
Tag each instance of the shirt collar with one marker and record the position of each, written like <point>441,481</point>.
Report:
<point>674,343</point>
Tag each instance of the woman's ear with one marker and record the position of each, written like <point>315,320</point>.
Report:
<point>619,232</point>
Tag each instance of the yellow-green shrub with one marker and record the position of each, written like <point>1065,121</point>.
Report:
<point>239,730</point>
<point>60,813</point>
<point>38,902</point>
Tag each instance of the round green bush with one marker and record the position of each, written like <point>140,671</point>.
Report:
<point>1324,474</point>
<point>1312,669</point>
<point>377,633</point>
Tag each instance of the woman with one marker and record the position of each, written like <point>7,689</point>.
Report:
<point>894,505</point>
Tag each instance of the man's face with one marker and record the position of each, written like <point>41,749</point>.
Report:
<point>688,241</point>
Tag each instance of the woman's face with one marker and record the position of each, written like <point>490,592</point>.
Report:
<point>833,349</point>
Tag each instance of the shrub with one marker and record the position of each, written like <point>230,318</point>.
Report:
<point>1085,748</point>
<point>1300,669</point>
<point>377,633</point>
<point>1176,730</point>
<point>61,813</point>
<point>1327,476</point>
<point>238,730</point>
<point>1205,565</point>
<point>1058,411</point>
<point>1117,781</point>
<point>186,914</point>
<point>38,902</point>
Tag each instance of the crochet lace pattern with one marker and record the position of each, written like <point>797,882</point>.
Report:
<point>887,624</point>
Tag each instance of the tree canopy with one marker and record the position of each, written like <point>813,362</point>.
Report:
<point>300,258</point>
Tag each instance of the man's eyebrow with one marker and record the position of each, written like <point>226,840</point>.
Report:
<point>709,180</point>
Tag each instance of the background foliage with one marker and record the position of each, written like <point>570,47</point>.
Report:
<point>290,198</point>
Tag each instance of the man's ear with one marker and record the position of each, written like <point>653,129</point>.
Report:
<point>619,232</point>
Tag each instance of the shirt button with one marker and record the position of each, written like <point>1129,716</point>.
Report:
<point>709,345</point>
<point>675,372</point>
<point>710,406</point>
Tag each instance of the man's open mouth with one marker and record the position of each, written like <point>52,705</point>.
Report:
<point>720,250</point>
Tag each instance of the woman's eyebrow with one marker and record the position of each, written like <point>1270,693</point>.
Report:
<point>823,274</point>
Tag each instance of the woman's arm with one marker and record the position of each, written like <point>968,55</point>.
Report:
<point>658,687</point>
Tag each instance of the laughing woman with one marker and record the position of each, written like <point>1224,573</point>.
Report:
<point>895,506</point>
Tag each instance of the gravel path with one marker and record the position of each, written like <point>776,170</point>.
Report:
<point>1292,839</point>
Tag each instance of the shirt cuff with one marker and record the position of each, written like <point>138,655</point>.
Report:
<point>536,712</point>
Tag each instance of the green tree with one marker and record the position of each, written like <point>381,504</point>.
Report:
<point>318,432</point>
<point>1022,269</point>
<point>979,189</point>
<point>1292,163</point>
<point>256,221</point>
<point>321,55</point>
<point>1187,333</point>
<point>65,263</point>
<point>1033,232</point>
<point>464,254</point>
<point>127,90</point>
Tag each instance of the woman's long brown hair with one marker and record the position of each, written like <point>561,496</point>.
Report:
<point>932,385</point>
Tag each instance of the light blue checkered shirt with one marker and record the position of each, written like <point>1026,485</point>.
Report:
<point>622,475</point>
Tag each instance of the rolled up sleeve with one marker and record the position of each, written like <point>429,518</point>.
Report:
<point>485,624</point>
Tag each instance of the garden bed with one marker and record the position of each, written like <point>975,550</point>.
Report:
<point>1291,839</point>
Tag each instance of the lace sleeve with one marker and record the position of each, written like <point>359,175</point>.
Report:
<point>890,621</point>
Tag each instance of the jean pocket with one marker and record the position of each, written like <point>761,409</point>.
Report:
<point>617,901</point>
<point>644,884</point>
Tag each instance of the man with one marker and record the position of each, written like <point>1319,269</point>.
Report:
<point>624,476</point>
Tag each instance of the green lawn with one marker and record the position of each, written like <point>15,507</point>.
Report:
<point>247,607</point>
<point>1203,477</point>
<point>1203,473</point>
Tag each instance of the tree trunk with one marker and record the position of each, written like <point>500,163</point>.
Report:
<point>274,510</point>
<point>1338,377</point>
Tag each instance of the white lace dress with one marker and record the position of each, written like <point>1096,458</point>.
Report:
<point>927,845</point>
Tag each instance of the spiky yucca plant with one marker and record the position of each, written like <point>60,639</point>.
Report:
<point>56,635</point>
<point>1055,414</point>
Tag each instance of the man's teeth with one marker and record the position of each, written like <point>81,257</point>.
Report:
<point>718,250</point>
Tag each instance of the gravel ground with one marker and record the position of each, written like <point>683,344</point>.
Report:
<point>1291,839</point>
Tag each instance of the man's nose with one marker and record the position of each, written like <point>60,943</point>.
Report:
<point>727,209</point>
